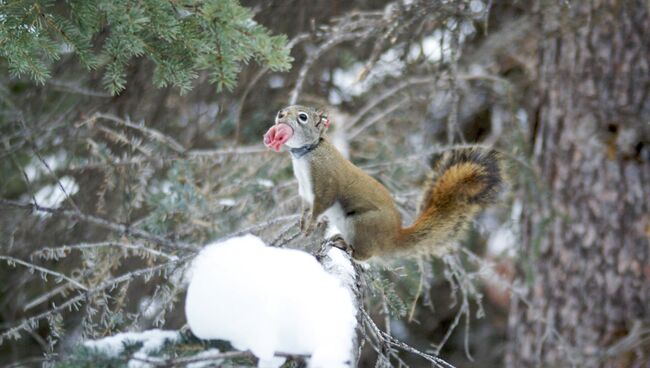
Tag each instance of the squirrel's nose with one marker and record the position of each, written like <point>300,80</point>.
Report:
<point>281,114</point>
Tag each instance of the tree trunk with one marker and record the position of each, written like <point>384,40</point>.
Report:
<point>586,231</point>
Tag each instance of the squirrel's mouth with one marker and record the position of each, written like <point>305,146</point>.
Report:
<point>277,135</point>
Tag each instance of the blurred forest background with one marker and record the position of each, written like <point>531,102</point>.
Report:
<point>130,135</point>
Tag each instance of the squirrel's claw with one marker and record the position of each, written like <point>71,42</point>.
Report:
<point>307,225</point>
<point>321,226</point>
<point>337,241</point>
<point>305,219</point>
<point>309,228</point>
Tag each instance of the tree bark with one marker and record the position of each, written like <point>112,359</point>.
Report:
<point>586,231</point>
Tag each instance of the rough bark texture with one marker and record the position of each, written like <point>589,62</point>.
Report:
<point>586,232</point>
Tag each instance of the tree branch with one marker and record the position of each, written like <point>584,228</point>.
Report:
<point>106,224</point>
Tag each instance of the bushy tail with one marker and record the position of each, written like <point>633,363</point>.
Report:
<point>463,182</point>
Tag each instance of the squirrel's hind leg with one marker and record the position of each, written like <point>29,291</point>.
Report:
<point>373,233</point>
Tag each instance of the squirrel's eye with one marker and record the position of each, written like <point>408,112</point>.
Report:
<point>302,117</point>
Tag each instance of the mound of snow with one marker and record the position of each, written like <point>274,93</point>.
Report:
<point>270,300</point>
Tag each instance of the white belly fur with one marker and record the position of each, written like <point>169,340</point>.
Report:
<point>337,223</point>
<point>303,173</point>
<point>334,214</point>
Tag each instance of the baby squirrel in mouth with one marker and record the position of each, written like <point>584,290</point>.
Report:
<point>463,182</point>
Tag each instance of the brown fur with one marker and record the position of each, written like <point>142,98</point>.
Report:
<point>463,182</point>
<point>369,204</point>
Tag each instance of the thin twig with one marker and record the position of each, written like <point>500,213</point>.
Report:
<point>47,167</point>
<point>240,106</point>
<point>388,94</point>
<point>72,87</point>
<point>200,153</point>
<point>437,361</point>
<point>338,36</point>
<point>153,133</point>
<point>263,225</point>
<point>49,252</point>
<point>45,297</point>
<point>12,260</point>
<point>379,116</point>
<point>31,322</point>
<point>106,224</point>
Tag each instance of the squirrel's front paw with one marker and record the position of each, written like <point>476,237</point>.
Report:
<point>321,226</point>
<point>309,229</point>
<point>307,226</point>
<point>304,222</point>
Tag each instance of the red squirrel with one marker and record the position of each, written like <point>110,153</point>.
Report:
<point>463,182</point>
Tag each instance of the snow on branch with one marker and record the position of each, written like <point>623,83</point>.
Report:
<point>281,302</point>
<point>269,300</point>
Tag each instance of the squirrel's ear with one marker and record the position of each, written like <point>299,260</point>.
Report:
<point>323,119</point>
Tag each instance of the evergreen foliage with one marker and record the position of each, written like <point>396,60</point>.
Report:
<point>182,38</point>
<point>188,348</point>
<point>157,176</point>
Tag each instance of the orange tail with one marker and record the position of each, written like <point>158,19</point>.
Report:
<point>463,182</point>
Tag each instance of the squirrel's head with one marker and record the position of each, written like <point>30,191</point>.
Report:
<point>296,126</point>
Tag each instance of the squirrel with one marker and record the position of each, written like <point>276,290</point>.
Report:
<point>463,182</point>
